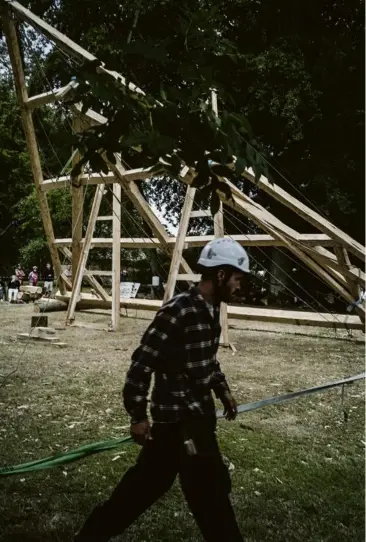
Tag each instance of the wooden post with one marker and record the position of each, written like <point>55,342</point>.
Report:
<point>84,253</point>
<point>77,207</point>
<point>30,136</point>
<point>219,231</point>
<point>345,263</point>
<point>179,245</point>
<point>116,257</point>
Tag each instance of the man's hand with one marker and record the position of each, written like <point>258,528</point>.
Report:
<point>230,407</point>
<point>140,432</point>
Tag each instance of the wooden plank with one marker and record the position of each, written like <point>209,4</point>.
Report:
<point>139,174</point>
<point>30,136</point>
<point>324,320</point>
<point>88,277</point>
<point>307,213</point>
<point>346,266</point>
<point>343,273</point>
<point>98,273</point>
<point>77,195</point>
<point>201,214</point>
<point>103,218</point>
<point>84,253</point>
<point>64,181</point>
<point>51,96</point>
<point>197,241</point>
<point>116,257</point>
<point>179,245</point>
<point>219,231</point>
<point>189,277</point>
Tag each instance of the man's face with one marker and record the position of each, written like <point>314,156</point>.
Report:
<point>228,288</point>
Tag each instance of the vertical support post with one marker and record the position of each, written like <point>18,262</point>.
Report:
<point>219,231</point>
<point>77,194</point>
<point>84,253</point>
<point>353,287</point>
<point>179,244</point>
<point>30,136</point>
<point>116,257</point>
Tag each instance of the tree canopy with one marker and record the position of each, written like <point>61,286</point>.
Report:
<point>290,80</point>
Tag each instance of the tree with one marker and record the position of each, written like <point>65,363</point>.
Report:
<point>293,69</point>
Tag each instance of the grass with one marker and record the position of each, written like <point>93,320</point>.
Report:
<point>297,468</point>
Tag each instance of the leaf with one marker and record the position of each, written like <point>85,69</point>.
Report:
<point>240,165</point>
<point>97,163</point>
<point>220,170</point>
<point>111,157</point>
<point>215,203</point>
<point>225,188</point>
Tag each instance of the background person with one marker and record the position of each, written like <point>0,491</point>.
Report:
<point>49,277</point>
<point>33,276</point>
<point>13,289</point>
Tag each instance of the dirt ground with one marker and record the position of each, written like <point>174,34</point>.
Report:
<point>56,399</point>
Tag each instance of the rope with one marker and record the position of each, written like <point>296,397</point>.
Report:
<point>97,447</point>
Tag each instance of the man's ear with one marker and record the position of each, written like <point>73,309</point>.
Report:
<point>221,276</point>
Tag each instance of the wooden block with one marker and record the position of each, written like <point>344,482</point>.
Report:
<point>27,336</point>
<point>39,321</point>
<point>44,332</point>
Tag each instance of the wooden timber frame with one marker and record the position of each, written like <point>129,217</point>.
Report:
<point>326,252</point>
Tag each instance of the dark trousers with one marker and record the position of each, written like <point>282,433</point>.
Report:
<point>204,479</point>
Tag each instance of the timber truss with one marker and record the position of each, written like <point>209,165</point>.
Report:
<point>326,253</point>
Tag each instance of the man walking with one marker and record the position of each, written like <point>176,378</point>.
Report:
<point>180,347</point>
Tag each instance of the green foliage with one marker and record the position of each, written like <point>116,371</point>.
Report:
<point>181,130</point>
<point>294,70</point>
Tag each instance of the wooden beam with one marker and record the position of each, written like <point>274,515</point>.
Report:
<point>64,181</point>
<point>116,257</point>
<point>351,273</point>
<point>104,218</point>
<point>89,277</point>
<point>77,195</point>
<point>189,277</point>
<point>30,135</point>
<point>179,245</point>
<point>51,96</point>
<point>201,214</point>
<point>324,320</point>
<point>254,240</point>
<point>98,273</point>
<point>353,286</point>
<point>84,254</point>
<point>220,232</point>
<point>307,214</point>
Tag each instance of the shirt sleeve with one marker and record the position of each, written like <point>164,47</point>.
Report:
<point>154,349</point>
<point>219,384</point>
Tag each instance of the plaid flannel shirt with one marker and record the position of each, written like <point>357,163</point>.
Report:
<point>180,348</point>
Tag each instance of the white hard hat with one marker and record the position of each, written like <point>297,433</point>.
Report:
<point>224,251</point>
